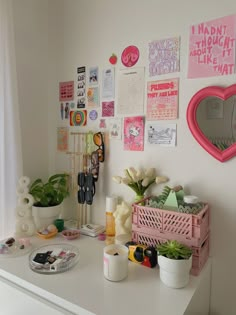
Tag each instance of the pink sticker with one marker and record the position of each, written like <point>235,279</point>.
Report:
<point>130,56</point>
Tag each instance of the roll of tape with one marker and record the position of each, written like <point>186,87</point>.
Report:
<point>26,200</point>
<point>24,181</point>
<point>21,190</point>
<point>23,212</point>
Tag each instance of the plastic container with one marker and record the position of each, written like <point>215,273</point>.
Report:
<point>191,229</point>
<point>200,253</point>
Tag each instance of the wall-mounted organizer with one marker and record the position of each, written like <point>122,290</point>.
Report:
<point>88,151</point>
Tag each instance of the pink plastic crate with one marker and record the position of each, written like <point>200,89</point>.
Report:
<point>191,229</point>
<point>200,254</point>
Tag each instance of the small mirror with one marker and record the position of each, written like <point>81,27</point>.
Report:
<point>211,117</point>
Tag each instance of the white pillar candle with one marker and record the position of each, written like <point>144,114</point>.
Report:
<point>115,262</point>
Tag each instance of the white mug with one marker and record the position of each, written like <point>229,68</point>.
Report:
<point>115,262</point>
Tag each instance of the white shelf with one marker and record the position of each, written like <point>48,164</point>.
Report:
<point>84,290</point>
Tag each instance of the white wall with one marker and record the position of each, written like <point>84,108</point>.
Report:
<point>86,33</point>
<point>31,33</point>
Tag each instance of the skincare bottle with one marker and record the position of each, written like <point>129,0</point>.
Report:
<point>111,203</point>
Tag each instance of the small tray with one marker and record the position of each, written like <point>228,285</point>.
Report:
<point>54,258</point>
<point>47,236</point>
<point>15,250</point>
<point>70,234</point>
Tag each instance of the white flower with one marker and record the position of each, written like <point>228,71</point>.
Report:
<point>146,181</point>
<point>150,172</point>
<point>140,175</point>
<point>161,179</point>
<point>132,173</point>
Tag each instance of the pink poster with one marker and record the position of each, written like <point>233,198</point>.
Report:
<point>134,133</point>
<point>164,56</point>
<point>66,91</point>
<point>108,109</point>
<point>212,48</point>
<point>162,99</point>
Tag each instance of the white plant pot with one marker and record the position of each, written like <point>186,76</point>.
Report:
<point>174,273</point>
<point>44,216</point>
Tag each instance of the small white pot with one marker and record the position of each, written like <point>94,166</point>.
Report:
<point>44,216</point>
<point>174,273</point>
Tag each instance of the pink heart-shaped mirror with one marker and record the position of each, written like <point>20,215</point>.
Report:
<point>211,117</point>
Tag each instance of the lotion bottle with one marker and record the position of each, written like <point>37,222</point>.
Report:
<point>111,203</point>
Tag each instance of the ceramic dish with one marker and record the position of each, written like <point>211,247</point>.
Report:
<point>70,234</point>
<point>46,236</point>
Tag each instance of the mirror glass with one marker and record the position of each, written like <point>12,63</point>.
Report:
<point>211,117</point>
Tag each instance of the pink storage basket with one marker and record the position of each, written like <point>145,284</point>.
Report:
<point>200,254</point>
<point>191,229</point>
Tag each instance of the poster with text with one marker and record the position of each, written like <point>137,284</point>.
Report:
<point>134,133</point>
<point>162,99</point>
<point>164,56</point>
<point>62,139</point>
<point>130,100</point>
<point>66,91</point>
<point>212,48</point>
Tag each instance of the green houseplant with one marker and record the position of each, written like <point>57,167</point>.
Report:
<point>175,262</point>
<point>50,193</point>
<point>48,197</point>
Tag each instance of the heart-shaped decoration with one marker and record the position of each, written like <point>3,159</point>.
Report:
<point>222,94</point>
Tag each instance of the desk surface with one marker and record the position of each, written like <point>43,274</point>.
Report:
<point>84,290</point>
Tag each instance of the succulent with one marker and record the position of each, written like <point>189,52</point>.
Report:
<point>174,250</point>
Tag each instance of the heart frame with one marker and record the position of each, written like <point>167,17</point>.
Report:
<point>223,94</point>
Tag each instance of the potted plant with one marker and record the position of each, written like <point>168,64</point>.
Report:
<point>175,262</point>
<point>48,197</point>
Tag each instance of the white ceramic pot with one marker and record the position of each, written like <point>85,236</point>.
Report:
<point>44,216</point>
<point>174,273</point>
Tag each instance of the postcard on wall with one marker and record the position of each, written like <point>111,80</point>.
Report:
<point>81,87</point>
<point>62,139</point>
<point>134,133</point>
<point>115,128</point>
<point>161,134</point>
<point>66,90</point>
<point>130,99</point>
<point>164,56</point>
<point>212,48</point>
<point>108,109</point>
<point>162,99</point>
<point>93,97</point>
<point>108,83</point>
<point>78,117</point>
<point>93,76</point>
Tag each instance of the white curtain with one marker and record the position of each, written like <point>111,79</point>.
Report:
<point>10,140</point>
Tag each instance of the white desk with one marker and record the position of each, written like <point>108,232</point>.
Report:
<point>83,289</point>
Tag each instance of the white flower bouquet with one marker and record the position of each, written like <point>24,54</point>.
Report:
<point>139,180</point>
